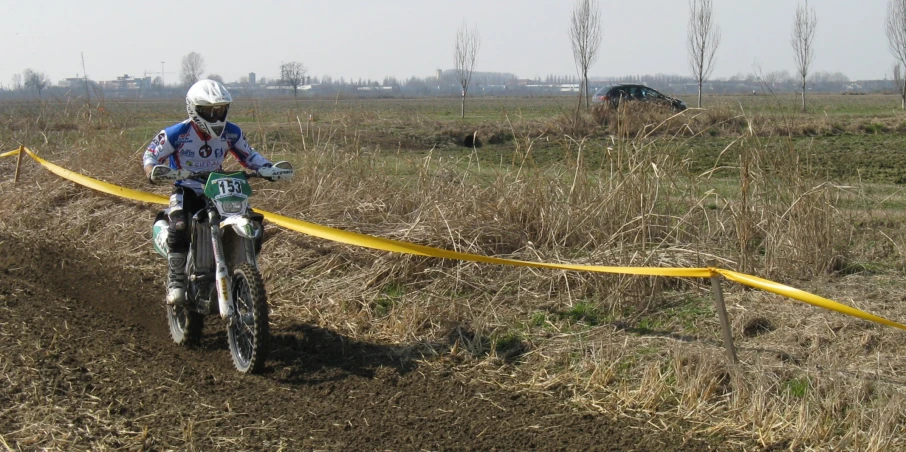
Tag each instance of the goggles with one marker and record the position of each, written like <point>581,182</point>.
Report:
<point>213,113</point>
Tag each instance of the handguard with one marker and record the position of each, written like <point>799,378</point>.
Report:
<point>279,171</point>
<point>162,173</point>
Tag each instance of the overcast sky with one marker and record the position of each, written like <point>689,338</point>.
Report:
<point>401,38</point>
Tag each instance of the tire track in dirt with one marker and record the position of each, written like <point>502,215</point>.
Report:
<point>85,348</point>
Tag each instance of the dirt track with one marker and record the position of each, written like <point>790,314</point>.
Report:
<point>90,365</point>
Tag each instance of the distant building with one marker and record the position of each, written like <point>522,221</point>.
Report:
<point>73,82</point>
<point>569,87</point>
<point>126,82</point>
<point>252,80</point>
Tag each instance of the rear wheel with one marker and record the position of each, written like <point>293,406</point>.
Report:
<point>248,331</point>
<point>185,326</point>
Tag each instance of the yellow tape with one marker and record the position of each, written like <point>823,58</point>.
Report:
<point>378,243</point>
<point>367,241</point>
<point>805,297</point>
<point>95,184</point>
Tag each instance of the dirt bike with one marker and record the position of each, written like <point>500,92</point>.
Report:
<point>222,274</point>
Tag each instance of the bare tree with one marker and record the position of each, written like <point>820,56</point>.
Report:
<point>704,38</point>
<point>293,73</point>
<point>898,82</point>
<point>17,82</point>
<point>215,77</point>
<point>464,52</point>
<point>896,37</point>
<point>35,80</point>
<point>585,33</point>
<point>192,68</point>
<point>803,41</point>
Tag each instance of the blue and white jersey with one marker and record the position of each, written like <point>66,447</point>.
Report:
<point>183,145</point>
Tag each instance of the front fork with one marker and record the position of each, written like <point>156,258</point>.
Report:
<point>222,275</point>
<point>222,278</point>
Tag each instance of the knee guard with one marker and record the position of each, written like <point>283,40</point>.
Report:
<point>177,214</point>
<point>176,229</point>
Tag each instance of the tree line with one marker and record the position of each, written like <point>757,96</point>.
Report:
<point>586,32</point>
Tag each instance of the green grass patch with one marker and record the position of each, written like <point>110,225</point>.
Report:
<point>584,312</point>
<point>390,295</point>
<point>796,387</point>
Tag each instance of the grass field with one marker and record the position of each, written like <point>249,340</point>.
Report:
<point>815,200</point>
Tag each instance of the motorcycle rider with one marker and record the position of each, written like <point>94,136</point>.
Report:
<point>199,143</point>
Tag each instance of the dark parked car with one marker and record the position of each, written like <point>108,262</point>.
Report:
<point>641,93</point>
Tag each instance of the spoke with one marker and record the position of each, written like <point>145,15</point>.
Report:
<point>242,330</point>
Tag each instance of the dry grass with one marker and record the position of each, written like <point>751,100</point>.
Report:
<point>642,347</point>
<point>729,119</point>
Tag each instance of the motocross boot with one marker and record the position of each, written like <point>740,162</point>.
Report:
<point>176,279</point>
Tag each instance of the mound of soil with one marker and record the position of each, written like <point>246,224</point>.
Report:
<point>87,363</point>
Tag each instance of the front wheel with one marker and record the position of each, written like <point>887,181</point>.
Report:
<point>248,330</point>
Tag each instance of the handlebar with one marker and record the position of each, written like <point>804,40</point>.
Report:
<point>277,171</point>
<point>203,175</point>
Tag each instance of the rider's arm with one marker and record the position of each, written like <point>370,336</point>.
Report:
<point>243,152</point>
<point>157,153</point>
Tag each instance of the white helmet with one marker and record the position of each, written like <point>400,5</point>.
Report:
<point>208,103</point>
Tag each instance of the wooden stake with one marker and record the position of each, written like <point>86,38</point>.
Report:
<point>19,163</point>
<point>721,309</point>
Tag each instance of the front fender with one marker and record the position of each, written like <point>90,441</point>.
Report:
<point>244,227</point>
